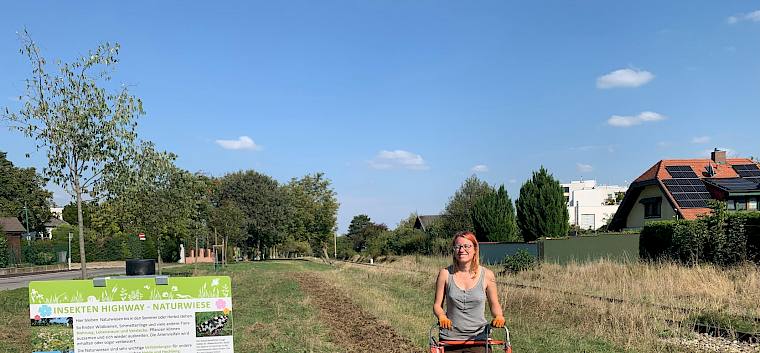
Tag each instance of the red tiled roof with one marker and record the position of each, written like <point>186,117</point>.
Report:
<point>658,172</point>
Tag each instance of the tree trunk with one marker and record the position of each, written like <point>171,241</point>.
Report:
<point>82,257</point>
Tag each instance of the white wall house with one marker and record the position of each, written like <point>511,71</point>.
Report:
<point>590,205</point>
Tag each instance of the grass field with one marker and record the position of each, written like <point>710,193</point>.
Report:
<point>274,312</point>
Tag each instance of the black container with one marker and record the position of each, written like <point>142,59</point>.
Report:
<point>141,267</point>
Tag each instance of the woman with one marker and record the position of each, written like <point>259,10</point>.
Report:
<point>466,285</point>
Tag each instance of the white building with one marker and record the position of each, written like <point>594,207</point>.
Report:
<point>591,205</point>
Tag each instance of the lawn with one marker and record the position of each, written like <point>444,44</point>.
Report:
<point>274,313</point>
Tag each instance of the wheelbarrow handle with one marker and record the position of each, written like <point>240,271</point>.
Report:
<point>489,329</point>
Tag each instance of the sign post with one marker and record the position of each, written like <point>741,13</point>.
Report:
<point>132,314</point>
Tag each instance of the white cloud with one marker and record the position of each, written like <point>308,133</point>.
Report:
<point>624,78</point>
<point>628,121</point>
<point>480,168</point>
<point>584,168</point>
<point>512,181</point>
<point>242,143</point>
<point>700,139</point>
<point>753,16</point>
<point>398,159</point>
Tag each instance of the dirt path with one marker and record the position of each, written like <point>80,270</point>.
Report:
<point>351,327</point>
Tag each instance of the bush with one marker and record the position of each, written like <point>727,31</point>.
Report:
<point>293,247</point>
<point>440,246</point>
<point>345,249</point>
<point>522,260</point>
<point>722,238</point>
<point>44,258</point>
<point>655,240</point>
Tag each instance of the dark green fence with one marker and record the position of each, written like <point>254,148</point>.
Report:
<point>616,247</point>
<point>492,253</point>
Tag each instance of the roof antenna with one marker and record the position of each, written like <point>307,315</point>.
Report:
<point>709,171</point>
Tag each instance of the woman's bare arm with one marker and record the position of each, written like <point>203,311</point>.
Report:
<point>492,294</point>
<point>440,287</point>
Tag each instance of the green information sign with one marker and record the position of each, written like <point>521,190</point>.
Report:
<point>123,314</point>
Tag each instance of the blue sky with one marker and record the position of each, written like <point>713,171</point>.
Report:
<point>399,101</point>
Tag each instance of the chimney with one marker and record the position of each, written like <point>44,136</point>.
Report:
<point>717,156</point>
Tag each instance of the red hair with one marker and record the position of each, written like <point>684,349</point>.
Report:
<point>475,262</point>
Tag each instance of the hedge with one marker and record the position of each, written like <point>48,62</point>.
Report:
<point>721,238</point>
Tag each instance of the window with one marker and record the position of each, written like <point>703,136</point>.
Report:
<point>752,204</point>
<point>652,207</point>
<point>566,188</point>
<point>741,204</point>
<point>730,205</point>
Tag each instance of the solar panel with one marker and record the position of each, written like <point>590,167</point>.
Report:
<point>682,182</point>
<point>679,168</point>
<point>736,184</point>
<point>681,172</point>
<point>747,170</point>
<point>688,192</point>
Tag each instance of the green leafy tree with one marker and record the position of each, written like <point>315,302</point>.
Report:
<point>313,210</point>
<point>407,223</point>
<point>358,223</point>
<point>85,129</point>
<point>153,196</point>
<point>71,213</point>
<point>458,211</point>
<point>21,187</point>
<point>364,236</point>
<point>361,230</point>
<point>493,217</point>
<point>541,208</point>
<point>264,204</point>
<point>228,221</point>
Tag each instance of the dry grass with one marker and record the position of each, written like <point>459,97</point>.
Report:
<point>638,324</point>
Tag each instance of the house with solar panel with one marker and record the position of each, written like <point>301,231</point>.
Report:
<point>680,189</point>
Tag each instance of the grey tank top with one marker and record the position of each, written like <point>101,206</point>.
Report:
<point>466,310</point>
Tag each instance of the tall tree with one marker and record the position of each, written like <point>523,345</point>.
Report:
<point>85,130</point>
<point>493,217</point>
<point>313,210</point>
<point>23,187</point>
<point>153,196</point>
<point>541,207</point>
<point>228,222</point>
<point>264,204</point>
<point>71,213</point>
<point>358,223</point>
<point>362,230</point>
<point>458,212</point>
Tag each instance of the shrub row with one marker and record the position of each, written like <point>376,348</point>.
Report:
<point>722,238</point>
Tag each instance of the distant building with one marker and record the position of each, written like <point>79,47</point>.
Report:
<point>681,188</point>
<point>13,231</point>
<point>57,212</point>
<point>590,205</point>
<point>424,222</point>
<point>50,225</point>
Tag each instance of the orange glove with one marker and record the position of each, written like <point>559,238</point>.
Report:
<point>444,322</point>
<point>498,321</point>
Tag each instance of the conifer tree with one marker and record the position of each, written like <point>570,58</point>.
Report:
<point>493,217</point>
<point>541,208</point>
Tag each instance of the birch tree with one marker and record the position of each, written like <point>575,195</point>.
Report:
<point>85,128</point>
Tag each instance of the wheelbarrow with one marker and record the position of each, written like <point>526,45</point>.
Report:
<point>436,345</point>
